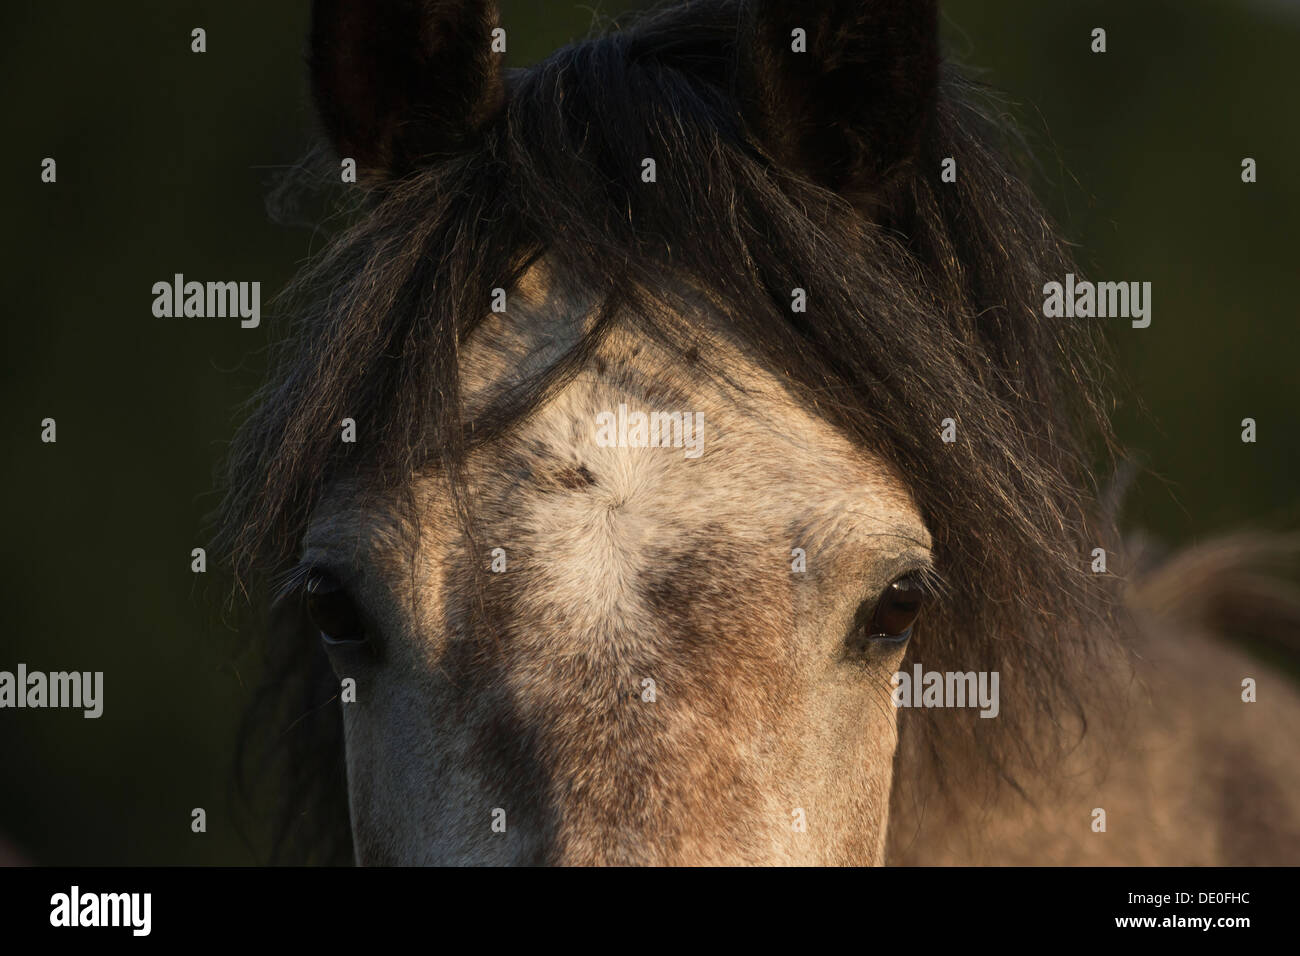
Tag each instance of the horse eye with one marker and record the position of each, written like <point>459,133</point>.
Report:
<point>332,611</point>
<point>898,608</point>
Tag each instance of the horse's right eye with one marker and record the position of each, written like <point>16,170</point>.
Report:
<point>332,611</point>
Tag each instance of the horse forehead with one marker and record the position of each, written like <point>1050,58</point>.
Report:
<point>770,474</point>
<point>636,429</point>
<point>749,454</point>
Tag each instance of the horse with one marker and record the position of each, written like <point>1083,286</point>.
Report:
<point>665,407</point>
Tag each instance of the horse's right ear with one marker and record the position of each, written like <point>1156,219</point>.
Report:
<point>400,82</point>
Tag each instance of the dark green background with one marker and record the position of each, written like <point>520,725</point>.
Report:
<point>164,158</point>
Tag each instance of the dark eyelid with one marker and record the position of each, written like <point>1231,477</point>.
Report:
<point>891,638</point>
<point>343,642</point>
<point>291,583</point>
<point>926,577</point>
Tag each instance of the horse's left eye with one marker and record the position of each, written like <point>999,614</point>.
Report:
<point>898,608</point>
<point>332,610</point>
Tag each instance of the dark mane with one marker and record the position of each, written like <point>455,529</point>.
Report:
<point>925,308</point>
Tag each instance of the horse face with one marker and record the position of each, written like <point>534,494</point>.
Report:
<point>662,657</point>
<point>665,631</point>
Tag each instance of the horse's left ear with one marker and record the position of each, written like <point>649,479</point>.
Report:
<point>398,82</point>
<point>839,90</point>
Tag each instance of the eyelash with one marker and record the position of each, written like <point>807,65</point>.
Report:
<point>291,583</point>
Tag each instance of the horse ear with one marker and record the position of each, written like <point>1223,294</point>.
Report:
<point>839,90</point>
<point>401,81</point>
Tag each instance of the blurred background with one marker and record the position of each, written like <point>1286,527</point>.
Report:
<point>165,159</point>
